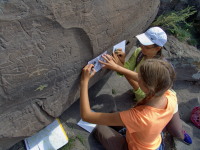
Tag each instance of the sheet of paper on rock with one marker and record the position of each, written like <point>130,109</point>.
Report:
<point>97,66</point>
<point>96,63</point>
<point>52,137</point>
<point>87,126</point>
<point>121,45</point>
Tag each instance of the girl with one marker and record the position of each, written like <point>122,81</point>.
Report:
<point>145,121</point>
<point>151,43</point>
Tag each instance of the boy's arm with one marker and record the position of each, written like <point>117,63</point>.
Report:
<point>110,119</point>
<point>131,64</point>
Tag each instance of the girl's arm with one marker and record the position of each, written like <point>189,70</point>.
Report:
<point>110,119</point>
<point>110,64</point>
<point>119,58</point>
<point>133,83</point>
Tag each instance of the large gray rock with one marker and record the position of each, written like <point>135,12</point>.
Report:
<point>185,58</point>
<point>43,46</point>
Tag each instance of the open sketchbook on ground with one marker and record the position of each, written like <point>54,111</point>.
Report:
<point>52,137</point>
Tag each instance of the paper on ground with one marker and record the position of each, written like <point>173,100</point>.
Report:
<point>51,137</point>
<point>87,126</point>
<point>96,63</point>
<point>120,45</point>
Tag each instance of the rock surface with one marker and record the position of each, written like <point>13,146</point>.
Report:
<point>185,58</point>
<point>43,46</point>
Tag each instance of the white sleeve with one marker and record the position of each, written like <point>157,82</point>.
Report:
<point>176,108</point>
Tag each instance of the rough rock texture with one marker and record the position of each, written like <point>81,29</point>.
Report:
<point>185,58</point>
<point>43,46</point>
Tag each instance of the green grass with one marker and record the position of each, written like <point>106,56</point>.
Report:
<point>81,139</point>
<point>71,142</point>
<point>114,91</point>
<point>176,23</point>
<point>69,145</point>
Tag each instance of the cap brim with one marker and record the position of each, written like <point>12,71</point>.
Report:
<point>144,40</point>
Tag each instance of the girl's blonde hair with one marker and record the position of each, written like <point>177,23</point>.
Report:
<point>158,76</point>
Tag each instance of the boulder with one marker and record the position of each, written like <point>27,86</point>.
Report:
<point>43,47</point>
<point>185,59</point>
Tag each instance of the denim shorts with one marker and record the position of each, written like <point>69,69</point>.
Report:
<point>162,145</point>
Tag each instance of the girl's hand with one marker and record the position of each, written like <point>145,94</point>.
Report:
<point>110,62</point>
<point>87,72</point>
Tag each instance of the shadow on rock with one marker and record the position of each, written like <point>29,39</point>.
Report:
<point>111,103</point>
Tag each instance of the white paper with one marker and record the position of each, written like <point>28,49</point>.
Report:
<point>51,137</point>
<point>120,45</point>
<point>87,126</point>
<point>96,63</point>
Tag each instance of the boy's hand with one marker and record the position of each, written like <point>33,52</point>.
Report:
<point>87,72</point>
<point>119,55</point>
<point>110,62</point>
<point>117,60</point>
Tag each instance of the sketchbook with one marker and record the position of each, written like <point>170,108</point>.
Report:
<point>52,137</point>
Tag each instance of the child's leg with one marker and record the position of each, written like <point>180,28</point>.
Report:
<point>174,127</point>
<point>109,138</point>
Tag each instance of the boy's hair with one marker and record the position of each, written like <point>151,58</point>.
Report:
<point>159,53</point>
<point>140,55</point>
<point>158,76</point>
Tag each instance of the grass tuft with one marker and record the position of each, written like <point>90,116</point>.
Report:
<point>176,23</point>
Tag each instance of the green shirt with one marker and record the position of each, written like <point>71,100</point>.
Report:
<point>131,65</point>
